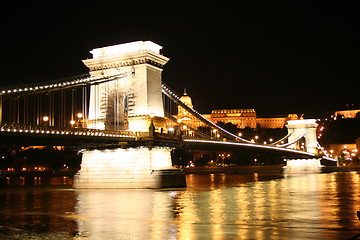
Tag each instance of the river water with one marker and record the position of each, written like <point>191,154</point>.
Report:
<point>213,206</point>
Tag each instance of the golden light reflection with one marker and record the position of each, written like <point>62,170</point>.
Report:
<point>309,206</point>
<point>291,208</point>
<point>126,214</point>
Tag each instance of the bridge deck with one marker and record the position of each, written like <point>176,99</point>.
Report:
<point>11,133</point>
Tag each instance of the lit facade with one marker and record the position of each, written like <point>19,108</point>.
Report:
<point>275,122</point>
<point>242,118</point>
<point>126,102</point>
<point>347,113</point>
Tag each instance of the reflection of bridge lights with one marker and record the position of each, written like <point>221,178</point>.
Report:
<point>79,115</point>
<point>45,118</point>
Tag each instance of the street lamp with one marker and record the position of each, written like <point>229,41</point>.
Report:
<point>80,120</point>
<point>72,123</point>
<point>46,120</point>
<point>214,132</point>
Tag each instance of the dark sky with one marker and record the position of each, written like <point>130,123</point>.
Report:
<point>278,58</point>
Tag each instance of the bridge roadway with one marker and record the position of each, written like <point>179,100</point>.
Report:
<point>19,134</point>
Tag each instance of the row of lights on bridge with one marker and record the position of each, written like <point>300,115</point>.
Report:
<point>56,85</point>
<point>41,87</point>
<point>79,132</point>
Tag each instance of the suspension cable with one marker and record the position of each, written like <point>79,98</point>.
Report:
<point>296,140</point>
<point>282,139</point>
<point>166,90</point>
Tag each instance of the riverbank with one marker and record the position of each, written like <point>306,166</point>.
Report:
<point>271,169</point>
<point>258,169</point>
<point>38,174</point>
<point>234,169</point>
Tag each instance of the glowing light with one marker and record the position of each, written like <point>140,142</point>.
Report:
<point>252,145</point>
<point>126,48</point>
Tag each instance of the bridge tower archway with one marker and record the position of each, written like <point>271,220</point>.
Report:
<point>303,130</point>
<point>127,101</point>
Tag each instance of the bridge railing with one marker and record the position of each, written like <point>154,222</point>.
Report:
<point>36,129</point>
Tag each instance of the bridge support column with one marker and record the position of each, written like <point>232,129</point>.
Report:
<point>128,168</point>
<point>303,166</point>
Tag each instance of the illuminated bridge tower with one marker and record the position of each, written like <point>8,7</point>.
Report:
<point>305,129</point>
<point>127,103</point>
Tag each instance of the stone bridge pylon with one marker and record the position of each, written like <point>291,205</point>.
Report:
<point>134,102</point>
<point>303,134</point>
<point>126,103</point>
<point>305,129</point>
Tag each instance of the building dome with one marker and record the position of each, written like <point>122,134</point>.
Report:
<point>186,99</point>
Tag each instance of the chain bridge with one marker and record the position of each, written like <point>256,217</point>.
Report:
<point>123,117</point>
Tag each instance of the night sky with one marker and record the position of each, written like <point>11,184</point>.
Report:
<point>278,58</point>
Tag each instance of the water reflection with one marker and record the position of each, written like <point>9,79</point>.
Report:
<point>126,214</point>
<point>310,206</point>
<point>218,206</point>
<point>36,181</point>
<point>29,213</point>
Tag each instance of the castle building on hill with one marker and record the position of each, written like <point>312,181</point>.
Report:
<point>242,118</point>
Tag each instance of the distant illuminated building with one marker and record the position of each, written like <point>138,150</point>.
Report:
<point>347,113</point>
<point>242,118</point>
<point>182,113</point>
<point>184,116</point>
<point>275,122</point>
